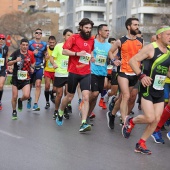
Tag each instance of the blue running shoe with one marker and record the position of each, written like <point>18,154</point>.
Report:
<point>29,103</point>
<point>36,108</point>
<point>59,120</point>
<point>112,103</point>
<point>141,148</point>
<point>168,135</point>
<point>157,137</point>
<point>127,127</point>
<point>85,127</point>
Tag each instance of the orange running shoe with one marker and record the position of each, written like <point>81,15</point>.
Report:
<point>104,106</point>
<point>101,102</point>
<point>92,115</point>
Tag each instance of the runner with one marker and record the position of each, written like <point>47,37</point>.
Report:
<point>79,47</point>
<point>39,48</point>
<point>99,66</point>
<point>156,65</point>
<point>23,61</point>
<point>3,60</point>
<point>60,63</point>
<point>128,46</point>
<point>49,72</point>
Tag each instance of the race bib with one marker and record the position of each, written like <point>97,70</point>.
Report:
<point>100,60</point>
<point>2,61</point>
<point>85,59</point>
<point>50,65</point>
<point>64,64</point>
<point>22,75</point>
<point>159,82</point>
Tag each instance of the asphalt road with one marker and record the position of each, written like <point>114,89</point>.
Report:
<point>35,142</point>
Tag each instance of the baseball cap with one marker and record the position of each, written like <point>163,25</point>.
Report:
<point>2,36</point>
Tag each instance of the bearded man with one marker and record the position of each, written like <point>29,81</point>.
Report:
<point>79,48</point>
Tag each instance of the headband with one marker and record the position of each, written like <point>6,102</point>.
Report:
<point>161,30</point>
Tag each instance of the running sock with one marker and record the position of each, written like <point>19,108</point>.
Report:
<point>103,93</point>
<point>131,122</point>
<point>165,116</point>
<point>61,112</point>
<point>47,93</point>
<point>1,92</point>
<point>141,141</point>
<point>83,121</point>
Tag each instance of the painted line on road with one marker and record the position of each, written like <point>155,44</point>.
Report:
<point>10,134</point>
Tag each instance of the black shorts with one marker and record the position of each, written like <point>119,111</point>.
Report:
<point>37,75</point>
<point>109,76</point>
<point>132,79</point>
<point>114,78</point>
<point>136,86</point>
<point>60,81</point>
<point>74,79</point>
<point>153,99</point>
<point>19,83</point>
<point>97,83</point>
<point>3,73</point>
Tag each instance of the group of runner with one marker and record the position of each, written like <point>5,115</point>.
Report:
<point>90,64</point>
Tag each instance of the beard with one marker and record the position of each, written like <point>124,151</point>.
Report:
<point>85,35</point>
<point>134,32</point>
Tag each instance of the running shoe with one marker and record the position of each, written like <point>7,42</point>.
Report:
<point>29,103</point>
<point>101,102</point>
<point>110,120</point>
<point>19,105</point>
<point>0,106</point>
<point>112,103</point>
<point>121,121</point>
<point>14,115</point>
<point>92,116</point>
<point>157,137</point>
<point>55,114</point>
<point>127,127</point>
<point>85,127</point>
<point>47,105</point>
<point>104,106</point>
<point>66,113</point>
<point>141,148</point>
<point>35,107</point>
<point>59,120</point>
<point>69,109</point>
<point>168,135</point>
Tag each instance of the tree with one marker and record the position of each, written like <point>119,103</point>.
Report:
<point>22,25</point>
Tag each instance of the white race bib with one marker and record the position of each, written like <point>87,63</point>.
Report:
<point>2,61</point>
<point>22,75</point>
<point>49,64</point>
<point>64,64</point>
<point>100,60</point>
<point>159,82</point>
<point>85,59</point>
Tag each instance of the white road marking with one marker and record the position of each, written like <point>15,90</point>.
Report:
<point>10,134</point>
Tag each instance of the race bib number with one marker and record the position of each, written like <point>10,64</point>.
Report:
<point>159,82</point>
<point>22,75</point>
<point>2,61</point>
<point>50,65</point>
<point>100,60</point>
<point>64,64</point>
<point>85,59</point>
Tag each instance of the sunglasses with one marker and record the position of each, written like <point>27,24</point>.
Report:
<point>2,38</point>
<point>38,32</point>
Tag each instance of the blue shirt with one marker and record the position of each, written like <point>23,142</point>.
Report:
<point>41,47</point>
<point>100,53</point>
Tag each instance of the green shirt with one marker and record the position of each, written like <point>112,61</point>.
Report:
<point>61,61</point>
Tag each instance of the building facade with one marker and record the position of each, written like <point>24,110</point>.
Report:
<point>72,11</point>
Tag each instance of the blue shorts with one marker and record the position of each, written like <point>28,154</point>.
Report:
<point>166,91</point>
<point>38,74</point>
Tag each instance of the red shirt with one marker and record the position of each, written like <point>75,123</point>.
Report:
<point>76,43</point>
